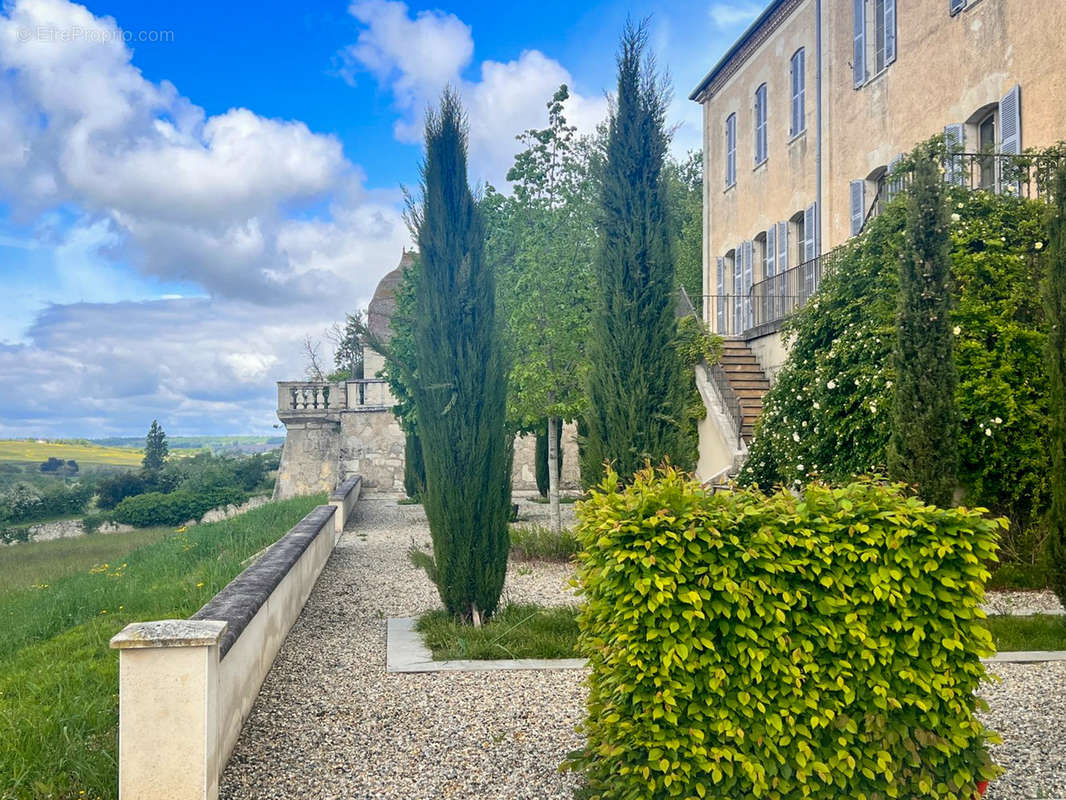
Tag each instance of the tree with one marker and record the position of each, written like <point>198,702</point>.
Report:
<point>684,184</point>
<point>347,348</point>
<point>636,391</point>
<point>155,448</point>
<point>541,458</point>
<point>923,448</point>
<point>1055,308</point>
<point>460,394</point>
<point>542,240</point>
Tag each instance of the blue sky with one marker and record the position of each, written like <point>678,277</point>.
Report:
<point>188,190</point>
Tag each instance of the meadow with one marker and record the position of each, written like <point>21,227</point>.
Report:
<point>33,452</point>
<point>58,677</point>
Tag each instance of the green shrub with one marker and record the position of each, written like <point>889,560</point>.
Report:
<point>541,543</point>
<point>156,508</point>
<point>750,645</point>
<point>92,522</point>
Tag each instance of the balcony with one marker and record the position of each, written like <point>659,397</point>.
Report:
<point>767,304</point>
<point>317,400</point>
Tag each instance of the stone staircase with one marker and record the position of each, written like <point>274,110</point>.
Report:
<point>747,381</point>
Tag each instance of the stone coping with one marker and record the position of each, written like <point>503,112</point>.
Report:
<point>169,633</point>
<point>242,597</point>
<point>341,492</point>
<point>405,652</point>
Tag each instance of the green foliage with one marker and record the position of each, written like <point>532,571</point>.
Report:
<point>684,192</point>
<point>414,468</point>
<point>694,344</point>
<point>541,543</point>
<point>827,415</point>
<point>155,508</point>
<point>112,491</point>
<point>1036,632</point>
<point>519,630</point>
<point>155,448</point>
<point>540,455</point>
<point>1055,304</point>
<point>59,679</point>
<point>57,466</point>
<point>745,645</point>
<point>635,390</point>
<point>26,503</point>
<point>923,448</point>
<point>348,352</point>
<point>460,393</point>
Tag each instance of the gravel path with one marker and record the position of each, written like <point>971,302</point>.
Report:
<point>331,723</point>
<point>1022,603</point>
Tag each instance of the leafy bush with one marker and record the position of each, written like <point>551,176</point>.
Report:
<point>156,508</point>
<point>112,491</point>
<point>745,645</point>
<point>26,503</point>
<point>827,415</point>
<point>91,522</point>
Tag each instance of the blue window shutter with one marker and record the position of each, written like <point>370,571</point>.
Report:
<point>749,269</point>
<point>798,93</point>
<point>720,300</point>
<point>771,252</point>
<point>890,31</point>
<point>858,206</point>
<point>954,144</point>
<point>760,124</point>
<point>858,62</point>
<point>809,233</point>
<point>738,288</point>
<point>955,6</point>
<point>782,246</point>
<point>731,150</point>
<point>1010,122</point>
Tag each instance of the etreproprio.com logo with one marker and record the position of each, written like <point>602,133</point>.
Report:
<point>75,33</point>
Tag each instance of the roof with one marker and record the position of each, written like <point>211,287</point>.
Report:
<point>383,305</point>
<point>737,45</point>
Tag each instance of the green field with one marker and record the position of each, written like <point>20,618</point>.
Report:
<point>59,679</point>
<point>34,452</point>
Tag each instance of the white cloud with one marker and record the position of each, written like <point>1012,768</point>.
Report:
<point>733,15</point>
<point>189,197</point>
<point>417,56</point>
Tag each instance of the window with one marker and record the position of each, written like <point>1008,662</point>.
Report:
<point>730,150</point>
<point>798,83</point>
<point>955,6</point>
<point>877,29</point>
<point>761,267</point>
<point>797,238</point>
<point>760,124</point>
<point>986,143</point>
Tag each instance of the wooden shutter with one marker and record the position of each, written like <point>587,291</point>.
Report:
<point>749,269</point>
<point>1010,122</point>
<point>771,252</point>
<point>890,31</point>
<point>720,300</point>
<point>760,124</point>
<point>858,58</point>
<point>858,206</point>
<point>731,150</point>
<point>954,166</point>
<point>782,246</point>
<point>799,82</point>
<point>1010,139</point>
<point>955,6</point>
<point>810,232</point>
<point>738,288</point>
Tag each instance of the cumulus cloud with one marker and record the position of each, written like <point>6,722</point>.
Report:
<point>192,197</point>
<point>416,56</point>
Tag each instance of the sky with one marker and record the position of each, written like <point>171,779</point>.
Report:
<point>189,190</point>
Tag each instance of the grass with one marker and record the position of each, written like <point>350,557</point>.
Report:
<point>30,451</point>
<point>59,679</point>
<point>516,631</point>
<point>539,543</point>
<point>563,499</point>
<point>1018,577</point>
<point>1037,632</point>
<point>24,566</point>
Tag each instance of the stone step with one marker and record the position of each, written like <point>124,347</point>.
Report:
<point>749,382</point>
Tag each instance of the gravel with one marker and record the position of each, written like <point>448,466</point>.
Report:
<point>331,723</point>
<point>1022,603</point>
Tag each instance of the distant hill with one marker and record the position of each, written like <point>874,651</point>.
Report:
<point>216,444</point>
<point>84,452</point>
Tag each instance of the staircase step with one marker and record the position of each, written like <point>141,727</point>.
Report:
<point>745,382</point>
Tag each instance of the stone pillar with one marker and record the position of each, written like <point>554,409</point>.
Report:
<point>168,710</point>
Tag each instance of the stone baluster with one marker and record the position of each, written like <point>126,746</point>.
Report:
<point>293,394</point>
<point>320,397</point>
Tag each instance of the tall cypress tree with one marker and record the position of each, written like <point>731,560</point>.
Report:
<point>155,448</point>
<point>924,449</point>
<point>1055,304</point>
<point>636,389</point>
<point>461,388</point>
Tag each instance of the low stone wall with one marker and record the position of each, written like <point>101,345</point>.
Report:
<point>187,686</point>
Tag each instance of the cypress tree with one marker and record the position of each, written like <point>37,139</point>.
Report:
<point>155,448</point>
<point>923,449</point>
<point>461,388</point>
<point>1055,305</point>
<point>635,386</point>
<point>541,456</point>
<point>414,471</point>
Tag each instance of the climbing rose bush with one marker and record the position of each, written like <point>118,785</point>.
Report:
<point>748,645</point>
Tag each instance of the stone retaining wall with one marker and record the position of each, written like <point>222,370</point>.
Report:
<point>187,686</point>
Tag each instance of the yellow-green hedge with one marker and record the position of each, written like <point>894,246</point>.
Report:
<point>747,645</point>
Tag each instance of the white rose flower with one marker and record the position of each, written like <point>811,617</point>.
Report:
<point>795,436</point>
<point>1038,245</point>
<point>831,385</point>
<point>817,406</point>
<point>955,217</point>
<point>988,431</point>
<point>957,330</point>
<point>999,421</point>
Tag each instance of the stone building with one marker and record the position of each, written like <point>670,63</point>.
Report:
<point>335,430</point>
<point>803,119</point>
